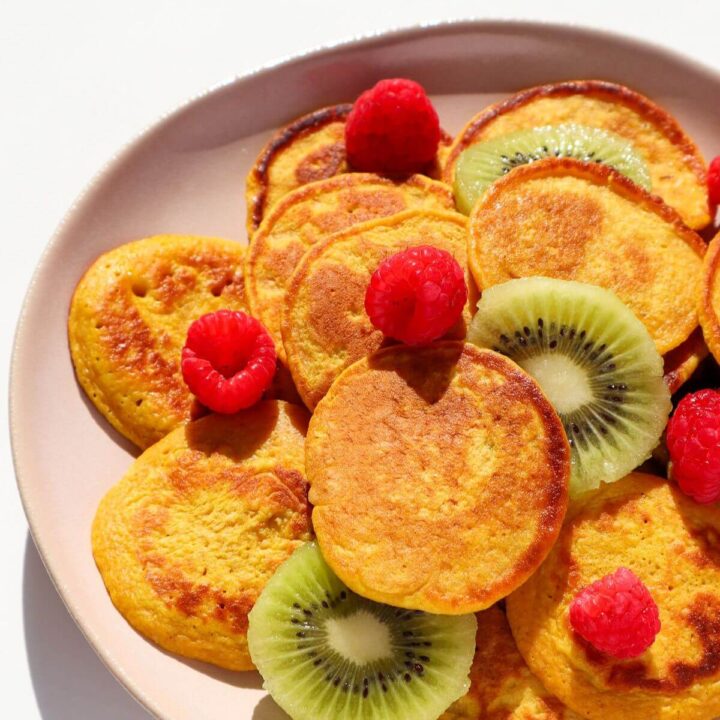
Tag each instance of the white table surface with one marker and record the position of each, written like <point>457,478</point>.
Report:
<point>79,79</point>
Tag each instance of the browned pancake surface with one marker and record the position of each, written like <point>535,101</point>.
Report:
<point>311,213</point>
<point>188,538</point>
<point>438,477</point>
<point>569,220</point>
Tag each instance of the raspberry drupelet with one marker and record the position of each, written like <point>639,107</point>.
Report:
<point>228,360</point>
<point>616,615</point>
<point>417,295</point>
<point>392,128</point>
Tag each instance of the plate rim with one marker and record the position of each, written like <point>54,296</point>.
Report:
<point>364,41</point>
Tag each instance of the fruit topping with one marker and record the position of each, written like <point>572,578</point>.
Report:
<point>228,360</point>
<point>417,295</point>
<point>693,440</point>
<point>616,615</point>
<point>714,182</point>
<point>483,163</point>
<point>326,653</point>
<point>594,360</point>
<point>392,128</point>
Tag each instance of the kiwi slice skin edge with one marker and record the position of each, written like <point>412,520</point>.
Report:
<point>482,163</point>
<point>595,361</point>
<point>326,653</point>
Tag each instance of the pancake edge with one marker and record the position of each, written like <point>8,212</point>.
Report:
<point>709,320</point>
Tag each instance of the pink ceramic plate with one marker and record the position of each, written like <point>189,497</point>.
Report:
<point>186,175</point>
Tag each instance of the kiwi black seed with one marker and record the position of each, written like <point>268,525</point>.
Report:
<point>595,361</point>
<point>327,653</point>
<point>481,164</point>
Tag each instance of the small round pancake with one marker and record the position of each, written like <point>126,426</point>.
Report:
<point>574,221</point>
<point>677,169</point>
<point>311,213</point>
<point>308,149</point>
<point>684,360</point>
<point>438,475</point>
<point>188,538</point>
<point>672,544</point>
<point>501,684</point>
<point>710,298</point>
<point>325,326</point>
<point>128,322</point>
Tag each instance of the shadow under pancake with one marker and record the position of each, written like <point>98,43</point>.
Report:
<point>238,678</point>
<point>120,440</point>
<point>69,680</point>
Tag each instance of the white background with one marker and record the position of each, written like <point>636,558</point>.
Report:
<point>79,79</point>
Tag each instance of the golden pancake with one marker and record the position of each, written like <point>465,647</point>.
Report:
<point>311,213</point>
<point>502,686</point>
<point>672,544</point>
<point>310,148</point>
<point>438,475</point>
<point>188,538</point>
<point>325,326</point>
<point>677,169</point>
<point>710,298</point>
<point>128,321</point>
<point>683,361</point>
<point>574,221</point>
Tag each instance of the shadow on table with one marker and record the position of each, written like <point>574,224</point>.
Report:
<point>69,680</point>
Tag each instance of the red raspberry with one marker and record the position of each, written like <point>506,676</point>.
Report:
<point>714,182</point>
<point>693,440</point>
<point>616,615</point>
<point>228,360</point>
<point>417,295</point>
<point>392,128</point>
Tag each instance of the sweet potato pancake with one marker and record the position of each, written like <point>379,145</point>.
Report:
<point>502,686</point>
<point>188,538</point>
<point>710,298</point>
<point>672,544</point>
<point>438,476</point>
<point>325,326</point>
<point>569,220</point>
<point>311,213</point>
<point>128,321</point>
<point>308,149</point>
<point>677,169</point>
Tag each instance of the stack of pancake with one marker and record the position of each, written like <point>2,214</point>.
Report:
<point>188,538</point>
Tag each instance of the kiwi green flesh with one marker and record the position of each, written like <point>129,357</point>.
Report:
<point>325,652</point>
<point>613,402</point>
<point>481,164</point>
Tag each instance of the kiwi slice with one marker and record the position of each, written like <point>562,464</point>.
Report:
<point>595,361</point>
<point>483,163</point>
<point>326,653</point>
